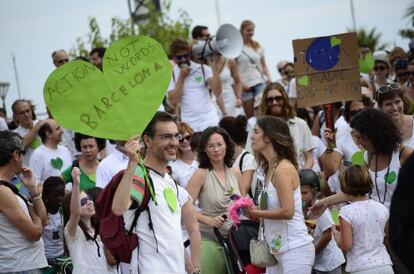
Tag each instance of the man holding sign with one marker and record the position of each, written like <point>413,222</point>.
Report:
<point>160,250</point>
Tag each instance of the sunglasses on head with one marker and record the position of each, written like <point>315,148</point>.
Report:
<point>380,68</point>
<point>393,87</point>
<point>186,138</point>
<point>182,56</point>
<point>85,200</point>
<point>270,100</point>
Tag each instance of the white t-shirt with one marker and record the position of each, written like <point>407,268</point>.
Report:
<point>317,153</point>
<point>110,166</point>
<point>3,124</point>
<point>53,236</point>
<point>291,89</point>
<point>251,73</point>
<point>46,162</point>
<point>341,126</point>
<point>367,219</point>
<point>249,163</point>
<point>197,108</point>
<point>331,256</point>
<point>84,254</point>
<point>182,172</point>
<point>167,230</point>
<point>68,141</point>
<point>347,147</point>
<point>30,148</point>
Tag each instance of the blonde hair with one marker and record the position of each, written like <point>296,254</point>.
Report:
<point>254,44</point>
<point>355,180</point>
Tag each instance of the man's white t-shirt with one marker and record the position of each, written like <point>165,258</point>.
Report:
<point>3,124</point>
<point>108,167</point>
<point>317,153</point>
<point>331,256</point>
<point>368,219</point>
<point>197,108</point>
<point>165,254</point>
<point>30,148</point>
<point>182,172</point>
<point>46,162</point>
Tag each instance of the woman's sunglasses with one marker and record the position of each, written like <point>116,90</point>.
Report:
<point>393,87</point>
<point>85,200</point>
<point>186,138</point>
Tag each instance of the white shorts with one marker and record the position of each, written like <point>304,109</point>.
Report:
<point>294,261</point>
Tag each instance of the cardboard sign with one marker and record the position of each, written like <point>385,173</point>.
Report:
<point>327,69</point>
<point>117,103</point>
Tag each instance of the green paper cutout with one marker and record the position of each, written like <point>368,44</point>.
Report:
<point>56,163</point>
<point>390,177</point>
<point>303,81</point>
<point>358,158</point>
<point>263,200</point>
<point>335,41</point>
<point>117,103</point>
<point>171,199</point>
<point>229,191</point>
<point>366,63</point>
<point>198,78</point>
<point>335,216</point>
<point>36,143</point>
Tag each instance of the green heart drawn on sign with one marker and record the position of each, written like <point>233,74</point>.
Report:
<point>117,103</point>
<point>198,78</point>
<point>171,199</point>
<point>335,41</point>
<point>56,163</point>
<point>303,81</point>
<point>390,177</point>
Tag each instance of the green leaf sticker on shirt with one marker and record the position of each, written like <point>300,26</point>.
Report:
<point>198,78</point>
<point>390,177</point>
<point>35,144</point>
<point>263,200</point>
<point>170,198</point>
<point>56,163</point>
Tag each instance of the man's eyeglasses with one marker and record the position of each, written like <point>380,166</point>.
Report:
<point>85,200</point>
<point>380,68</point>
<point>270,100</point>
<point>185,138</point>
<point>169,137</point>
<point>182,56</point>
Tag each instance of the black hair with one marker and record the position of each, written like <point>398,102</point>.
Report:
<point>160,116</point>
<point>43,130</point>
<point>308,177</point>
<point>94,192</point>
<point>99,51</point>
<point>9,143</point>
<point>379,129</point>
<point>101,143</point>
<point>195,141</point>
<point>82,58</point>
<point>236,128</point>
<point>205,136</point>
<point>50,184</point>
<point>198,31</point>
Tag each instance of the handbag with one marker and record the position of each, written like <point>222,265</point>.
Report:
<point>259,250</point>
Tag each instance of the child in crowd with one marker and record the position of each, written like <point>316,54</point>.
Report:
<point>363,224</point>
<point>329,257</point>
<point>52,195</point>
<point>85,248</point>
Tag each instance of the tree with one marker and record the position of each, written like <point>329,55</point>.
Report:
<point>370,38</point>
<point>409,32</point>
<point>159,26</point>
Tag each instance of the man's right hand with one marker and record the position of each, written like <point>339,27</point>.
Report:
<point>184,72</point>
<point>132,148</point>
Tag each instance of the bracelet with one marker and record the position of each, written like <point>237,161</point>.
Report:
<point>36,196</point>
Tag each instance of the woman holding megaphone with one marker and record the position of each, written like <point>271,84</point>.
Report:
<point>254,72</point>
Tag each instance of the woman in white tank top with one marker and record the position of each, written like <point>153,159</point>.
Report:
<point>280,202</point>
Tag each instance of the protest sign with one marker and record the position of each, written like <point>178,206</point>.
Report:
<point>327,69</point>
<point>120,101</point>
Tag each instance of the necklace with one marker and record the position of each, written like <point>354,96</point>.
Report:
<point>385,179</point>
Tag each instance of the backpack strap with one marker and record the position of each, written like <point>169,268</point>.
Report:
<point>241,160</point>
<point>15,190</point>
<point>204,76</point>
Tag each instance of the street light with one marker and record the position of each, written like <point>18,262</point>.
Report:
<point>4,88</point>
<point>138,9</point>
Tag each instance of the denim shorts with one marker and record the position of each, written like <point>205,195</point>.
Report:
<point>253,92</point>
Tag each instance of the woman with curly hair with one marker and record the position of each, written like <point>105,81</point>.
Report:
<point>380,137</point>
<point>281,201</point>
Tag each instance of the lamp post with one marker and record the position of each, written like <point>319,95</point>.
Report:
<point>138,9</point>
<point>4,88</point>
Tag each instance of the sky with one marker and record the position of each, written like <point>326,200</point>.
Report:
<point>32,30</point>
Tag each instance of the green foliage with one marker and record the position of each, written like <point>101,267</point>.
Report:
<point>409,32</point>
<point>370,38</point>
<point>159,25</point>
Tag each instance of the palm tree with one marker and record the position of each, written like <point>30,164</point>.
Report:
<point>408,33</point>
<point>370,38</point>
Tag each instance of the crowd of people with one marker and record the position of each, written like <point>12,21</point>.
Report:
<point>329,199</point>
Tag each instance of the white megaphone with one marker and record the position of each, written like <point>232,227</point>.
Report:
<point>227,41</point>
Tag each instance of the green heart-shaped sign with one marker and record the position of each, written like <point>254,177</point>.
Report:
<point>171,199</point>
<point>36,143</point>
<point>303,81</point>
<point>390,177</point>
<point>335,41</point>
<point>366,63</point>
<point>358,158</point>
<point>56,163</point>
<point>120,101</point>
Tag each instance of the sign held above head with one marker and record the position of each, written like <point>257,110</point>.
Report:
<point>327,69</point>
